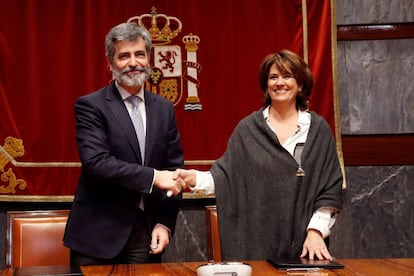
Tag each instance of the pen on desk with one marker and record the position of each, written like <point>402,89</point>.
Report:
<point>307,269</point>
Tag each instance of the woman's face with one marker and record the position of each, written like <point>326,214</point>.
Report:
<point>282,87</point>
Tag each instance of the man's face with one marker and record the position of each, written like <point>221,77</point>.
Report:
<point>130,66</point>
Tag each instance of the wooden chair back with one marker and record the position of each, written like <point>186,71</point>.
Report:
<point>35,238</point>
<point>213,236</point>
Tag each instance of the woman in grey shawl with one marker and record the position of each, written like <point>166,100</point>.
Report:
<point>278,185</point>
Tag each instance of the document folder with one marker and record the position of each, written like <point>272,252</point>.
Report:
<point>285,263</point>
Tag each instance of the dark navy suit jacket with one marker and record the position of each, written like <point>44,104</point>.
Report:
<point>113,179</point>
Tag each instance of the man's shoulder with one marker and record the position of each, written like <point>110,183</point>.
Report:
<point>102,93</point>
<point>152,97</point>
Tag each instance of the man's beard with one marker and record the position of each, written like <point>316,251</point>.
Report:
<point>135,80</point>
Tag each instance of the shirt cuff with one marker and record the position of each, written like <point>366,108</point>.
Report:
<point>153,179</point>
<point>323,220</point>
<point>204,183</point>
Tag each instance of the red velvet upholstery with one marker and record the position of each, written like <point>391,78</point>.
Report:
<point>34,238</point>
<point>213,237</point>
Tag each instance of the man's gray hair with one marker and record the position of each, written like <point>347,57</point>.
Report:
<point>126,32</point>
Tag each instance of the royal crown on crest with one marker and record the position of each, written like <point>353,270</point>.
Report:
<point>191,42</point>
<point>173,70</point>
<point>163,28</point>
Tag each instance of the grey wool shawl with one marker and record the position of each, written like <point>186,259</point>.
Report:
<point>263,207</point>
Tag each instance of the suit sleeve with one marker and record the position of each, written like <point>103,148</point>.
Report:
<point>102,149</point>
<point>170,205</point>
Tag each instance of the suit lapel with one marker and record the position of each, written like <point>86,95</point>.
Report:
<point>118,109</point>
<point>152,117</point>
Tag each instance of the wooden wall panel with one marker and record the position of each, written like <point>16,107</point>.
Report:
<point>376,31</point>
<point>377,150</point>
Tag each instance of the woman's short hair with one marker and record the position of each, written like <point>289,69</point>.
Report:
<point>288,62</point>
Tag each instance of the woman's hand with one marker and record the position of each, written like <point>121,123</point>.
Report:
<point>315,245</point>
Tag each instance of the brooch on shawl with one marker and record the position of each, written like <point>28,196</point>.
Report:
<point>297,154</point>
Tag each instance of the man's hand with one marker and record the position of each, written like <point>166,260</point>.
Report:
<point>160,238</point>
<point>315,245</point>
<point>165,181</point>
<point>188,177</point>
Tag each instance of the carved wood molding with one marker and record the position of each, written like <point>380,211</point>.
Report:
<point>375,31</point>
<point>378,150</point>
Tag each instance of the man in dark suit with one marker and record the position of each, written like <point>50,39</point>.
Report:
<point>122,212</point>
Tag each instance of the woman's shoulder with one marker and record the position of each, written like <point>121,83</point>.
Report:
<point>255,117</point>
<point>319,124</point>
<point>316,118</point>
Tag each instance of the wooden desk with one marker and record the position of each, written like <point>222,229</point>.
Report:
<point>380,267</point>
<point>374,267</point>
<point>360,267</point>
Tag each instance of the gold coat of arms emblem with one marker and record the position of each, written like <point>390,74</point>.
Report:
<point>175,68</point>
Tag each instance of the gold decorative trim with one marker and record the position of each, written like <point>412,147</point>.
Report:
<point>190,195</point>
<point>15,163</point>
<point>12,147</point>
<point>337,116</point>
<point>10,178</point>
<point>47,164</point>
<point>193,99</point>
<point>62,199</point>
<point>199,162</point>
<point>191,42</point>
<point>34,198</point>
<point>334,48</point>
<point>151,21</point>
<point>305,31</point>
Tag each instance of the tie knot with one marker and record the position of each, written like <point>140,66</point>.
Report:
<point>134,100</point>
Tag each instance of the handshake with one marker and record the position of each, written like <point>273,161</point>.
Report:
<point>175,181</point>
